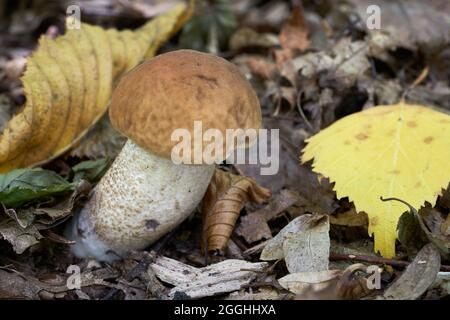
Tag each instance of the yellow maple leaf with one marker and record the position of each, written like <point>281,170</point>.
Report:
<point>68,83</point>
<point>400,151</point>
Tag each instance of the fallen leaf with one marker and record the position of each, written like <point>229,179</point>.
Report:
<point>294,33</point>
<point>247,37</point>
<point>253,227</point>
<point>102,141</point>
<point>428,227</point>
<point>304,244</point>
<point>13,286</point>
<point>261,67</point>
<point>68,82</point>
<point>273,249</point>
<point>20,238</point>
<point>411,23</point>
<point>386,151</point>
<point>417,277</point>
<point>21,186</point>
<point>47,216</point>
<point>443,281</point>
<point>90,171</point>
<point>225,197</point>
<point>353,282</point>
<point>301,282</point>
<point>350,218</point>
<point>308,250</point>
<point>350,283</point>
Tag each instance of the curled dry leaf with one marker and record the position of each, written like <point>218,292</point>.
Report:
<point>23,227</point>
<point>68,82</point>
<point>223,201</point>
<point>20,238</point>
<point>418,277</point>
<point>300,282</point>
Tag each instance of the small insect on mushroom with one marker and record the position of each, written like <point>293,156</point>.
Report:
<point>144,194</point>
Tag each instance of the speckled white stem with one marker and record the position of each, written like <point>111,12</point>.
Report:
<point>141,198</point>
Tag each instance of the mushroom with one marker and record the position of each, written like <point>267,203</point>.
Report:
<point>145,194</point>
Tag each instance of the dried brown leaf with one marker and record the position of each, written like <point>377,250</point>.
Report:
<point>294,34</point>
<point>253,227</point>
<point>226,196</point>
<point>418,277</point>
<point>350,218</point>
<point>20,238</point>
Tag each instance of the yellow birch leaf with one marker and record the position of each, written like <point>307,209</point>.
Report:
<point>68,83</point>
<point>400,151</point>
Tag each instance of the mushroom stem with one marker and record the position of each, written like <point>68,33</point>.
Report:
<point>140,198</point>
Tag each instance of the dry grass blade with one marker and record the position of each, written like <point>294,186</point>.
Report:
<point>224,199</point>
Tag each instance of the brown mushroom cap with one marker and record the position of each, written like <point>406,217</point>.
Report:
<point>173,90</point>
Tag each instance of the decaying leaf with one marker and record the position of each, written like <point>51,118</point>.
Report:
<point>418,277</point>
<point>68,82</point>
<point>223,201</point>
<point>23,227</point>
<point>304,244</point>
<point>300,282</point>
<point>294,34</point>
<point>20,238</point>
<point>387,151</point>
<point>410,23</point>
<point>350,218</point>
<point>102,141</point>
<point>443,281</point>
<point>427,228</point>
<point>13,286</point>
<point>350,283</point>
<point>18,285</point>
<point>253,227</point>
<point>308,250</point>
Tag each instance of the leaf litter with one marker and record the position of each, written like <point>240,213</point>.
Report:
<point>311,65</point>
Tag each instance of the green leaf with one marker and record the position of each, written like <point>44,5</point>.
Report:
<point>22,186</point>
<point>25,185</point>
<point>91,171</point>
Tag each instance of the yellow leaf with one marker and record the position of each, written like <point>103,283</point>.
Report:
<point>400,151</point>
<point>68,83</point>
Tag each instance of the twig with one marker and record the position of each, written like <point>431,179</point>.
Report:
<point>375,260</point>
<point>302,113</point>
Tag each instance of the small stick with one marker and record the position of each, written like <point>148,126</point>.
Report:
<point>375,260</point>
